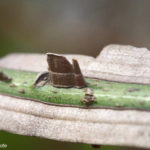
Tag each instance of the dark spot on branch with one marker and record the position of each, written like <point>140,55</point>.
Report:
<point>54,91</point>
<point>133,89</point>
<point>22,91</point>
<point>142,102</point>
<point>4,77</point>
<point>89,97</point>
<point>12,85</point>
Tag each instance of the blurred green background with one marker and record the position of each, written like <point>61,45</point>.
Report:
<point>18,142</point>
<point>69,26</point>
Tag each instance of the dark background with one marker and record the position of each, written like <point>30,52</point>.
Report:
<point>69,26</point>
<point>72,26</point>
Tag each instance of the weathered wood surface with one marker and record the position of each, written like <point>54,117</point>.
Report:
<point>93,126</point>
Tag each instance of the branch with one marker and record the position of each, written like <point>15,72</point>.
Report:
<point>34,111</point>
<point>107,94</point>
